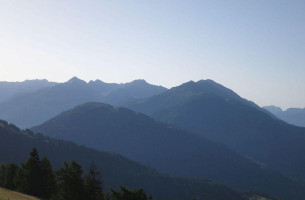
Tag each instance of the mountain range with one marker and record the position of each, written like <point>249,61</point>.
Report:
<point>33,108</point>
<point>198,129</point>
<point>166,148</point>
<point>10,90</point>
<point>294,116</point>
<point>219,114</point>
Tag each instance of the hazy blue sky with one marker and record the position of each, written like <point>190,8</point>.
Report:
<point>255,47</point>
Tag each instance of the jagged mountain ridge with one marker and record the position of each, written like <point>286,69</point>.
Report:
<point>34,108</point>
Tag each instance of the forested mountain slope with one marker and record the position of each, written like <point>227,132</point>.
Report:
<point>116,170</point>
<point>165,148</point>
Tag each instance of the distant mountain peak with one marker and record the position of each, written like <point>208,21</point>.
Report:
<point>144,84</point>
<point>76,80</point>
<point>273,109</point>
<point>139,81</point>
<point>37,80</point>
<point>206,81</point>
<point>201,85</point>
<point>189,83</point>
<point>200,82</point>
<point>98,81</point>
<point>295,116</point>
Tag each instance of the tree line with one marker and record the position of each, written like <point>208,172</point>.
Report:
<point>36,177</point>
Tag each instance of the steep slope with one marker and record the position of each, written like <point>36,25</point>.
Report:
<point>116,170</point>
<point>9,90</point>
<point>294,116</point>
<point>219,114</point>
<point>34,108</point>
<point>165,148</point>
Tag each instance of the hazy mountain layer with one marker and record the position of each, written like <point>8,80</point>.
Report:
<point>34,108</point>
<point>10,90</point>
<point>294,116</point>
<point>165,148</point>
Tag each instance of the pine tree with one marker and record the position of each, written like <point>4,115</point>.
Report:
<point>32,173</point>
<point>48,179</point>
<point>94,184</point>
<point>70,183</point>
<point>9,176</point>
<point>2,172</point>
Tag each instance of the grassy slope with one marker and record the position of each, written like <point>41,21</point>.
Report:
<point>11,195</point>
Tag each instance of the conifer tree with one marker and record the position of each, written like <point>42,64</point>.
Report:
<point>31,170</point>
<point>48,178</point>
<point>70,182</point>
<point>8,174</point>
<point>2,171</point>
<point>94,183</point>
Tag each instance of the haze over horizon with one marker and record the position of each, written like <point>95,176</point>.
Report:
<point>255,48</point>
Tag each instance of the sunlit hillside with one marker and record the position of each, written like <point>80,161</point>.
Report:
<point>11,195</point>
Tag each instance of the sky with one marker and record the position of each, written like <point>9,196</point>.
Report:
<point>254,47</point>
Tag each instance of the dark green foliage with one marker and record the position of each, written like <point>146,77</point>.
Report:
<point>36,177</point>
<point>70,182</point>
<point>94,184</point>
<point>125,194</point>
<point>116,169</point>
<point>2,172</point>
<point>166,148</point>
<point>71,185</point>
<point>9,176</point>
<point>48,178</point>
<point>32,174</point>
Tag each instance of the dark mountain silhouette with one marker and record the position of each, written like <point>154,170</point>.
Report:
<point>217,113</point>
<point>34,108</point>
<point>10,90</point>
<point>165,148</point>
<point>294,116</point>
<point>15,146</point>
